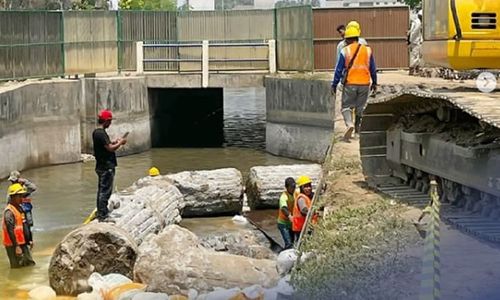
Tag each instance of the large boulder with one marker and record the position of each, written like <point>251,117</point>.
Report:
<point>174,261</point>
<point>145,209</point>
<point>245,242</point>
<point>206,193</point>
<point>98,247</point>
<point>265,184</point>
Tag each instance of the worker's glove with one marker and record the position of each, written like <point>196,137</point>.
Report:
<point>373,88</point>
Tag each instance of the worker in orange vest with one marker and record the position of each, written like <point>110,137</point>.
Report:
<point>16,232</point>
<point>356,67</point>
<point>302,205</point>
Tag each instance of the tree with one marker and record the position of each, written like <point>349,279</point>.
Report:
<point>148,4</point>
<point>413,3</point>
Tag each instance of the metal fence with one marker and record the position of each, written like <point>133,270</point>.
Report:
<point>385,29</point>
<point>31,45</point>
<point>226,26</point>
<point>294,37</point>
<point>55,43</point>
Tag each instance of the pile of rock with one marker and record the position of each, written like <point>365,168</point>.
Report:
<point>246,242</point>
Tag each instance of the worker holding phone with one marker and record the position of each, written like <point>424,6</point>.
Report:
<point>104,152</point>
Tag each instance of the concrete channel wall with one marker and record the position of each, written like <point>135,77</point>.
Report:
<point>299,117</point>
<point>51,122</point>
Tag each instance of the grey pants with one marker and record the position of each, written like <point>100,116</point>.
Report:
<point>354,97</point>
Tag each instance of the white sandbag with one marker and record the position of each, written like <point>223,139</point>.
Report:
<point>89,296</point>
<point>42,293</point>
<point>286,260</point>
<point>150,296</point>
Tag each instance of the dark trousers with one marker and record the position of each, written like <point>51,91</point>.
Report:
<point>23,260</point>
<point>104,190</point>
<point>287,234</point>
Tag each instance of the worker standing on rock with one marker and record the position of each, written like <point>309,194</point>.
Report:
<point>17,237</point>
<point>285,212</point>
<point>356,66</point>
<point>302,205</point>
<point>104,152</point>
<point>30,187</point>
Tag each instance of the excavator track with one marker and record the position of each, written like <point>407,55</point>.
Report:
<point>410,134</point>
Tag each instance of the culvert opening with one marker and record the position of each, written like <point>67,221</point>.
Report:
<point>186,117</point>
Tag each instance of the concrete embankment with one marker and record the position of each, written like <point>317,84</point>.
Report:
<point>299,117</point>
<point>51,122</point>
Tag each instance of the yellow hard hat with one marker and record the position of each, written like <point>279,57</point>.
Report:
<point>352,32</point>
<point>303,180</point>
<point>154,171</point>
<point>16,189</point>
<point>353,24</point>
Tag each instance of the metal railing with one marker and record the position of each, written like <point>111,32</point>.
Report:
<point>204,56</point>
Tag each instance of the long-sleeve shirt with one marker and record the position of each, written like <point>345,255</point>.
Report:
<point>341,68</point>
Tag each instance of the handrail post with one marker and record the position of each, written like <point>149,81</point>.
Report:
<point>139,47</point>
<point>272,56</point>
<point>204,64</point>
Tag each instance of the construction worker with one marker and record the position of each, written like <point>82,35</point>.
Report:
<point>341,30</point>
<point>30,187</point>
<point>285,212</point>
<point>104,152</point>
<point>356,66</point>
<point>17,237</point>
<point>153,172</point>
<point>301,205</point>
<point>415,43</point>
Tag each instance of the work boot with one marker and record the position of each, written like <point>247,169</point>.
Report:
<point>347,114</point>
<point>357,124</point>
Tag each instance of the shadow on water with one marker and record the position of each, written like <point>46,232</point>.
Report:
<point>66,193</point>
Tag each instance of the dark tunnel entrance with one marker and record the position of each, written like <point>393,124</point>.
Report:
<point>186,117</point>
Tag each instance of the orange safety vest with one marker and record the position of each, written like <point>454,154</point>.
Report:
<point>281,215</point>
<point>18,229</point>
<point>298,218</point>
<point>359,74</point>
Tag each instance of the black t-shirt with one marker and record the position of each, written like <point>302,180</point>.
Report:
<point>104,158</point>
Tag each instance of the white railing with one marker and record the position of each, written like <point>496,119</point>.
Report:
<point>205,58</point>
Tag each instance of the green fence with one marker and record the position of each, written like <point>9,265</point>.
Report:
<point>54,43</point>
<point>31,44</point>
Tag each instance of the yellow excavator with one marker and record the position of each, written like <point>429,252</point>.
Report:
<point>462,34</point>
<point>450,131</point>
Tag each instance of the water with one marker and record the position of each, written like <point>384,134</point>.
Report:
<point>66,193</point>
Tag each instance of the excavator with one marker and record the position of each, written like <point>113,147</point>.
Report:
<point>448,132</point>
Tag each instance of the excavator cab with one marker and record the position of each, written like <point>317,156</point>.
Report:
<point>462,34</point>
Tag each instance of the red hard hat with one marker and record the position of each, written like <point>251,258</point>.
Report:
<point>105,115</point>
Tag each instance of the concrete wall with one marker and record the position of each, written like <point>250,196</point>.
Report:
<point>39,125</point>
<point>51,122</point>
<point>299,117</point>
<point>127,98</point>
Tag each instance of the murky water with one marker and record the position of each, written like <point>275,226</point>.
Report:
<point>66,193</point>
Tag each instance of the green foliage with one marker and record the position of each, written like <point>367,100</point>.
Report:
<point>414,3</point>
<point>287,3</point>
<point>356,249</point>
<point>147,4</point>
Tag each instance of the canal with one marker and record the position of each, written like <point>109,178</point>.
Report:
<point>66,193</point>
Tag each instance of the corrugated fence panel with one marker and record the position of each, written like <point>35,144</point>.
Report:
<point>235,26</point>
<point>294,36</point>
<point>160,27</point>
<point>384,28</point>
<point>132,30</point>
<point>30,44</point>
<point>148,26</point>
<point>91,42</point>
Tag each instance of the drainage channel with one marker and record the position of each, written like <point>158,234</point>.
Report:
<point>467,222</point>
